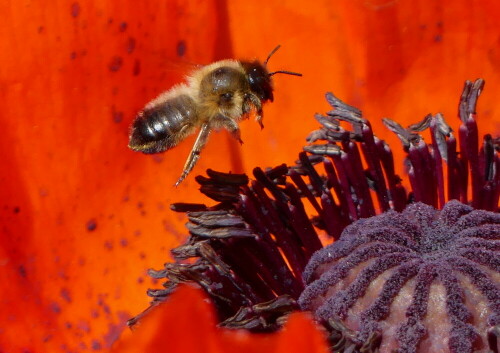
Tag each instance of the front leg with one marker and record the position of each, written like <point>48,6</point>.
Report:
<point>251,100</point>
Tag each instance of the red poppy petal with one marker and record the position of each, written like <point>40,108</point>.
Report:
<point>300,334</point>
<point>81,217</point>
<point>185,323</point>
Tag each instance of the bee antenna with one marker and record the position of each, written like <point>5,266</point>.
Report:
<point>285,72</point>
<point>271,54</point>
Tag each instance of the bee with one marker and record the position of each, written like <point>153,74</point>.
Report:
<point>217,96</point>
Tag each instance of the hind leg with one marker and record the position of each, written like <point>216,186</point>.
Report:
<point>194,155</point>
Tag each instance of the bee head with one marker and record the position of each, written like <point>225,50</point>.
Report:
<point>259,80</point>
<point>259,77</point>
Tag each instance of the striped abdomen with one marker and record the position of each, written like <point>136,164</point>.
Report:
<point>162,126</point>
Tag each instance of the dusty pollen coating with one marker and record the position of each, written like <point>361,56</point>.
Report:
<point>216,96</point>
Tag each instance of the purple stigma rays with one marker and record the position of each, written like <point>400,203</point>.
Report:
<point>424,280</point>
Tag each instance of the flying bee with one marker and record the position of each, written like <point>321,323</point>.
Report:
<point>216,96</point>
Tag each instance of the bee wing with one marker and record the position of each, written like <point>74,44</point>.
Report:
<point>179,66</point>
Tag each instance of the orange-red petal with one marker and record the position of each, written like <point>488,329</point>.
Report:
<point>186,323</point>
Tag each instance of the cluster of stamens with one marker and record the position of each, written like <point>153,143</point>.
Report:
<point>250,251</point>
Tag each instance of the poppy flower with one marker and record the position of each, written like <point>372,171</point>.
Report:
<point>249,251</point>
<point>83,217</point>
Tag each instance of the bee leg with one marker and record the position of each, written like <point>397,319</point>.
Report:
<point>237,135</point>
<point>229,124</point>
<point>194,155</point>
<point>252,100</point>
<point>260,116</point>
